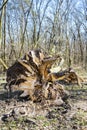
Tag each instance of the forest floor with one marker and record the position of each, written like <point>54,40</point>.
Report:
<point>22,114</point>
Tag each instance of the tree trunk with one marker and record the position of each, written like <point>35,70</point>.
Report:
<point>0,29</point>
<point>4,30</point>
<point>86,58</point>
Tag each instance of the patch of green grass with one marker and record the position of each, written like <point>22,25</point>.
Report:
<point>46,123</point>
<point>40,118</point>
<point>53,121</point>
<point>81,118</point>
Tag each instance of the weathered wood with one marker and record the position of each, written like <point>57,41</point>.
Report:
<point>67,76</point>
<point>3,63</point>
<point>2,80</point>
<point>31,75</point>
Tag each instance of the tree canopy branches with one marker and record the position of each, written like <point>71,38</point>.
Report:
<point>4,3</point>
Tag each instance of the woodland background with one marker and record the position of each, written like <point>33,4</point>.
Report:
<point>56,26</point>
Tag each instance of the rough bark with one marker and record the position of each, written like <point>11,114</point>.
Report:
<point>32,76</point>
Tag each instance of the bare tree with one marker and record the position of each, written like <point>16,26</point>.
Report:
<point>56,26</point>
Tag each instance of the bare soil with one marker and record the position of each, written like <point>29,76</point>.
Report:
<point>22,114</point>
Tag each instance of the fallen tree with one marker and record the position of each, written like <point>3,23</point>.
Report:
<point>3,63</point>
<point>33,76</point>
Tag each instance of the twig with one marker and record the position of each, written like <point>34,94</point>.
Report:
<point>3,5</point>
<point>3,63</point>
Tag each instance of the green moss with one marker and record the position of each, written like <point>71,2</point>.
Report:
<point>46,123</point>
<point>40,118</point>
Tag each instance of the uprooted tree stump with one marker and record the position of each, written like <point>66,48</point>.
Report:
<point>32,75</point>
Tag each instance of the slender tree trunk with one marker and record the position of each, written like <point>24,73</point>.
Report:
<point>68,56</point>
<point>81,47</point>
<point>25,26</point>
<point>86,58</point>
<point>4,30</point>
<point>0,30</point>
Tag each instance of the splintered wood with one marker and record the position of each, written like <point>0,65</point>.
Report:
<point>33,76</point>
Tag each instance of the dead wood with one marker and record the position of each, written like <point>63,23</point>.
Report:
<point>3,63</point>
<point>67,76</point>
<point>32,75</point>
